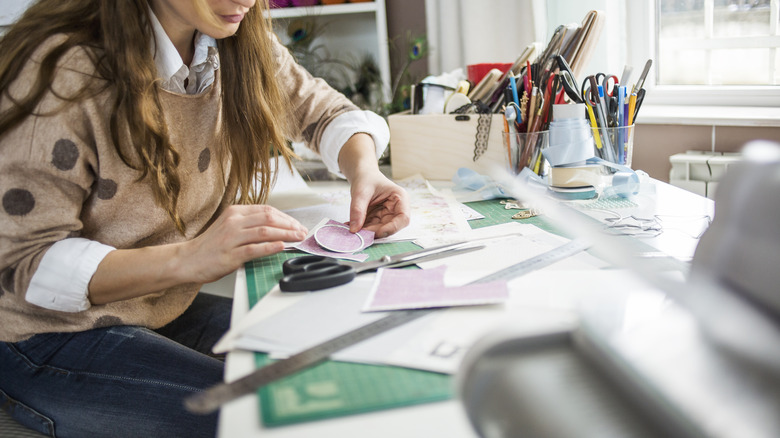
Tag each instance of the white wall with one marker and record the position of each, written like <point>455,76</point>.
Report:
<point>610,53</point>
<point>463,32</point>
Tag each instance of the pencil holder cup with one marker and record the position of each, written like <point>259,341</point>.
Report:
<point>615,144</point>
<point>524,149</point>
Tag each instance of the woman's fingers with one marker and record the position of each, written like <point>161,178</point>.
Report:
<point>389,217</point>
<point>251,216</point>
<point>264,233</point>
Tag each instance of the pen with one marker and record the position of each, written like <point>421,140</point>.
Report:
<point>631,108</point>
<point>548,99</point>
<point>625,106</point>
<point>530,144</point>
<point>513,85</point>
<point>510,116</point>
<point>601,118</point>
<point>620,124</point>
<point>640,96</point>
<point>507,139</point>
<point>527,80</point>
<point>603,102</point>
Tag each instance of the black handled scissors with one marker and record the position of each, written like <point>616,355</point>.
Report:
<point>312,272</point>
<point>609,86</point>
<point>568,80</point>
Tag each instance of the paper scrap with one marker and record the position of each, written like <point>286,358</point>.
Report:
<point>397,289</point>
<point>470,214</point>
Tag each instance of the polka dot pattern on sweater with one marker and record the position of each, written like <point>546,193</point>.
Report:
<point>308,133</point>
<point>18,202</point>
<point>107,321</point>
<point>204,159</point>
<point>65,154</point>
<point>106,188</point>
<point>7,281</point>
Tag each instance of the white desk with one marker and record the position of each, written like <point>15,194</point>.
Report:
<point>240,418</point>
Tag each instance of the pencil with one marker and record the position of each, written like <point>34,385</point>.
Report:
<point>594,125</point>
<point>508,144</point>
<point>532,108</point>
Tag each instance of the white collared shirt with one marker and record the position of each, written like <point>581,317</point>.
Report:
<point>199,75</point>
<point>62,279</point>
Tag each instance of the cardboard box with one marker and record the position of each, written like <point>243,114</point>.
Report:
<point>437,145</point>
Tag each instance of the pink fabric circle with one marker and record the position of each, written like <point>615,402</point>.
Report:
<point>338,238</point>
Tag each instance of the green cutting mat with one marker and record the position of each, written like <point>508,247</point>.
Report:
<point>334,389</point>
<point>495,213</point>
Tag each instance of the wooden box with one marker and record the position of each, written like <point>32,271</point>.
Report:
<point>436,145</point>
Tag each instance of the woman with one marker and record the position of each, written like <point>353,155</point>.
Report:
<point>131,135</point>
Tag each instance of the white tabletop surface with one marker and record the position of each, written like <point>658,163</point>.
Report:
<point>240,418</point>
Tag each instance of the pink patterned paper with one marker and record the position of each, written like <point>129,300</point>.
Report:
<point>311,246</point>
<point>338,238</point>
<point>397,289</point>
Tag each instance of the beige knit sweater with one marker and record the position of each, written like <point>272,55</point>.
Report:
<point>61,177</point>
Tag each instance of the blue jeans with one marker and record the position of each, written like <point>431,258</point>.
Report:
<point>120,381</point>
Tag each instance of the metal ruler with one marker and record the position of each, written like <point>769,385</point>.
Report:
<point>211,399</point>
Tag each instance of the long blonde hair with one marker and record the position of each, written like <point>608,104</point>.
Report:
<point>118,36</point>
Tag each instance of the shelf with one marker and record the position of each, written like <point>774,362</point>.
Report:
<point>354,29</point>
<point>341,9</point>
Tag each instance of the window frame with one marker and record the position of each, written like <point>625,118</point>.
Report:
<point>640,42</point>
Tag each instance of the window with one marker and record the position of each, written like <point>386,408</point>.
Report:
<point>712,52</point>
<point>717,42</point>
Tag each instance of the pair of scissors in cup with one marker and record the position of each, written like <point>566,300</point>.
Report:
<point>312,272</point>
<point>603,87</point>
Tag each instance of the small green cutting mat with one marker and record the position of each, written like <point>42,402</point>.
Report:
<point>334,389</point>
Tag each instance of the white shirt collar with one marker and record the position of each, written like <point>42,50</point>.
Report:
<point>168,60</point>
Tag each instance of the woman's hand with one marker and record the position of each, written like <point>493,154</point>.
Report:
<point>377,203</point>
<point>241,233</point>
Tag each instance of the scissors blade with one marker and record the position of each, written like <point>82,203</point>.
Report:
<point>410,256</point>
<point>417,255</point>
<point>435,256</point>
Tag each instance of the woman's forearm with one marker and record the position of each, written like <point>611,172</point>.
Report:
<point>241,233</point>
<point>357,156</point>
<point>130,273</point>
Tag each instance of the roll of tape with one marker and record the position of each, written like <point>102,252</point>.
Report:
<point>625,184</point>
<point>575,176</point>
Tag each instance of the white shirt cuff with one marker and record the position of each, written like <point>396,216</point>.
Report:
<point>345,126</point>
<point>62,279</point>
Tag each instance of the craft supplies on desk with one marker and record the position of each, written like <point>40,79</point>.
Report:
<point>431,143</point>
